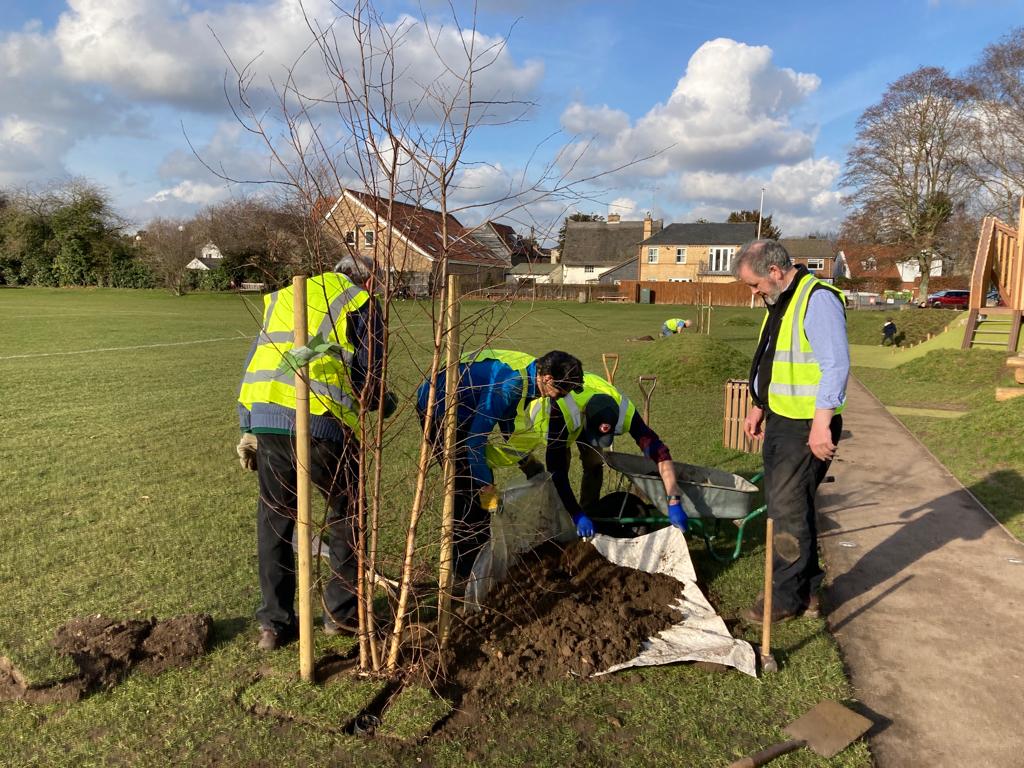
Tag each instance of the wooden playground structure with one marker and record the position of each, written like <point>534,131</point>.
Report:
<point>999,264</point>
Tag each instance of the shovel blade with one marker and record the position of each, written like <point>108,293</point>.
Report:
<point>828,728</point>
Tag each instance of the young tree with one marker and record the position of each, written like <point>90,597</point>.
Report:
<point>909,165</point>
<point>388,110</point>
<point>168,246</point>
<point>768,230</point>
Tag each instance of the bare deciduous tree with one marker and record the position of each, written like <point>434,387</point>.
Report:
<point>909,167</point>
<point>168,246</point>
<point>997,94</point>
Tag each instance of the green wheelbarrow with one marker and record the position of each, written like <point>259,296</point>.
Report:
<point>709,497</point>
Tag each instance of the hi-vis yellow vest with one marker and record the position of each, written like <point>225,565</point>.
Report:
<point>329,299</point>
<point>675,324</point>
<point>517,361</point>
<point>531,430</point>
<point>793,389</point>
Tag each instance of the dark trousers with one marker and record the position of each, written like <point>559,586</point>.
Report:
<point>792,475</point>
<point>333,469</point>
<point>471,524</point>
<point>593,474</point>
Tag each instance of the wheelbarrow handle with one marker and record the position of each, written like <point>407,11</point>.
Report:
<point>631,520</point>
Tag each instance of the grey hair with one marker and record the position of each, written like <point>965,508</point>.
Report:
<point>355,266</point>
<point>759,255</point>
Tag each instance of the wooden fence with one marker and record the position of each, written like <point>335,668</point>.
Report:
<point>737,406</point>
<point>733,294</point>
<point>545,292</point>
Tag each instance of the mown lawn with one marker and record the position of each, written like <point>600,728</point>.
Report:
<point>122,495</point>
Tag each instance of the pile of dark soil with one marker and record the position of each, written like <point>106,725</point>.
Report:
<point>558,613</point>
<point>104,650</point>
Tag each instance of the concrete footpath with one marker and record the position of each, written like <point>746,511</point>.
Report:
<point>925,596</point>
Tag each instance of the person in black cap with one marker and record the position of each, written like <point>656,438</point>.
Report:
<point>592,418</point>
<point>603,419</point>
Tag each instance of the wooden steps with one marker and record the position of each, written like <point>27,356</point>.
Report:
<point>994,327</point>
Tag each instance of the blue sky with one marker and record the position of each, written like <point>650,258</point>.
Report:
<point>730,96</point>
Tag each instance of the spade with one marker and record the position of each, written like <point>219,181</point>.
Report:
<point>828,728</point>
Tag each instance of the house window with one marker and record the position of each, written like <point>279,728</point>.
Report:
<point>350,238</point>
<point>588,269</point>
<point>720,259</point>
<point>815,265</point>
<point>368,238</point>
<point>652,255</point>
<point>680,255</point>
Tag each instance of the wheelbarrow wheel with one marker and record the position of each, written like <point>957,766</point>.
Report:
<point>623,505</point>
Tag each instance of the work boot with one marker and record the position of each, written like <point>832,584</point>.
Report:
<point>755,613</point>
<point>269,640</point>
<point>813,609</point>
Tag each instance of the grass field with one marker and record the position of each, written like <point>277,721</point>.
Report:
<point>123,496</point>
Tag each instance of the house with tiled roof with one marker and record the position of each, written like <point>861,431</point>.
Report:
<point>594,247</point>
<point>819,255</point>
<point>693,251</point>
<point>412,241</point>
<point>505,243</point>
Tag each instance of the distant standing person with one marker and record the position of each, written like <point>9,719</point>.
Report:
<point>674,325</point>
<point>798,385</point>
<point>889,332</point>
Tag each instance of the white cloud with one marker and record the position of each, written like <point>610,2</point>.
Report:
<point>197,193</point>
<point>600,121</point>
<point>626,207</point>
<point>157,50</point>
<point>44,113</point>
<point>801,197</point>
<point>730,111</point>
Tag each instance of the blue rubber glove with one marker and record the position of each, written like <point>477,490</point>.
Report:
<point>584,527</point>
<point>677,516</point>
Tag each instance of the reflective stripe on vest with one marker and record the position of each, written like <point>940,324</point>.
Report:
<point>796,375</point>
<point>572,406</point>
<point>330,298</point>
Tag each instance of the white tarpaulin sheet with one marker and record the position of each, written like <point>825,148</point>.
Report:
<point>700,635</point>
<point>532,513</point>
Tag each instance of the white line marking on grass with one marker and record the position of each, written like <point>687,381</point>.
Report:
<point>124,349</point>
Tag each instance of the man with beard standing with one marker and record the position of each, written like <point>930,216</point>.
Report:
<point>798,387</point>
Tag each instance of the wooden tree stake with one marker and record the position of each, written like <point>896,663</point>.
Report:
<point>302,487</point>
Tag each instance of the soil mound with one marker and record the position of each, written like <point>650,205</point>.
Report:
<point>104,650</point>
<point>559,613</point>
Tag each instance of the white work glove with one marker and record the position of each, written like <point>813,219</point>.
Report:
<point>246,451</point>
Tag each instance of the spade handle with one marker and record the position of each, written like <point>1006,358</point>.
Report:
<point>768,754</point>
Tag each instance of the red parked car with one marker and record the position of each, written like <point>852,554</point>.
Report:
<point>948,300</point>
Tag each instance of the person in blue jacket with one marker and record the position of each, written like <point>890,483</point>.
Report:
<point>494,386</point>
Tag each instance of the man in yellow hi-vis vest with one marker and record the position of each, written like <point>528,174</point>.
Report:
<point>345,314</point>
<point>798,387</point>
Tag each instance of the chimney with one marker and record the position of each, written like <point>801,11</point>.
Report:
<point>648,225</point>
<point>555,255</point>
<point>613,218</point>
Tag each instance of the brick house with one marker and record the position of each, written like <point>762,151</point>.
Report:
<point>818,255</point>
<point>361,222</point>
<point>690,252</point>
<point>594,247</point>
